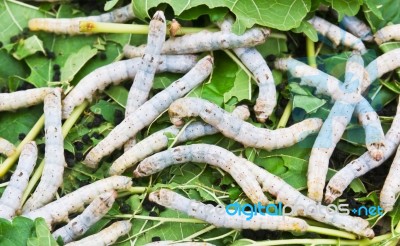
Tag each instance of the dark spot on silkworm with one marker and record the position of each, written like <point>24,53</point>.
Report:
<point>21,136</point>
<point>208,111</point>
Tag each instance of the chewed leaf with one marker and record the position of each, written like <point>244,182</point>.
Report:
<point>42,235</point>
<point>75,62</point>
<point>308,30</point>
<point>343,7</point>
<point>28,47</point>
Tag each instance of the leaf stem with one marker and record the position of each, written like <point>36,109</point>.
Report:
<point>286,114</point>
<point>9,162</point>
<point>194,235</point>
<point>102,27</point>
<point>180,133</point>
<point>311,53</point>
<point>331,232</point>
<point>65,129</point>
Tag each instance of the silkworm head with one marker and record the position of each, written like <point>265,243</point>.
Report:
<point>162,197</point>
<point>159,15</point>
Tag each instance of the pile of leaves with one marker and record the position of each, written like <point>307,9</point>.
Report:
<point>40,59</point>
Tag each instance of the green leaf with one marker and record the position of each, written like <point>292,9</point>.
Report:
<point>75,62</point>
<point>309,103</point>
<point>28,47</point>
<point>282,15</point>
<point>110,4</point>
<point>380,13</point>
<point>241,89</point>
<point>119,94</point>
<point>346,7</point>
<point>15,232</point>
<point>42,235</point>
<point>306,28</point>
<point>106,109</point>
<point>215,14</point>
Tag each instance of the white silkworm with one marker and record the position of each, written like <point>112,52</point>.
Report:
<point>391,187</point>
<point>57,211</point>
<point>218,216</point>
<point>107,236</point>
<point>10,201</point>
<point>149,111</point>
<point>71,25</point>
<point>358,167</point>
<point>358,28</point>
<point>387,33</point>
<point>52,176</point>
<point>337,35</point>
<point>81,223</point>
<point>252,59</point>
<point>6,148</point>
<point>23,99</point>
<point>117,72</point>
<point>159,140</point>
<point>205,41</point>
<point>141,86</point>
<point>239,130</point>
<point>203,153</point>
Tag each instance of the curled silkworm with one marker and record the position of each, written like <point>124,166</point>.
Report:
<point>23,99</point>
<point>205,41</point>
<point>10,201</point>
<point>239,130</point>
<point>358,167</point>
<point>71,25</point>
<point>149,111</point>
<point>107,236</point>
<point>252,59</point>
<point>358,28</point>
<point>6,148</point>
<point>52,176</point>
<point>81,223</point>
<point>117,72</point>
<point>57,211</point>
<point>143,81</point>
<point>159,141</point>
<point>387,33</point>
<point>337,35</point>
<point>203,153</point>
<point>219,217</point>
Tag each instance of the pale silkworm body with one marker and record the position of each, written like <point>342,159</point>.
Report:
<point>391,186</point>
<point>58,211</point>
<point>387,33</point>
<point>10,201</point>
<point>149,111</point>
<point>107,236</point>
<point>203,153</point>
<point>81,223</point>
<point>117,72</point>
<point>168,243</point>
<point>337,35</point>
<point>219,217</point>
<point>159,141</point>
<point>6,148</point>
<point>239,130</point>
<point>358,28</point>
<point>23,99</point>
<point>205,41</point>
<point>71,25</point>
<point>52,176</point>
<point>141,86</point>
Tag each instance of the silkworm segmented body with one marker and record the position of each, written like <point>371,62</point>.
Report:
<point>23,99</point>
<point>358,167</point>
<point>52,176</point>
<point>143,81</point>
<point>387,33</point>
<point>10,201</point>
<point>391,186</point>
<point>358,28</point>
<point>219,217</point>
<point>81,223</point>
<point>159,140</point>
<point>117,72</point>
<point>252,59</point>
<point>57,211</point>
<point>107,236</point>
<point>71,25</point>
<point>239,130</point>
<point>205,41</point>
<point>6,148</point>
<point>337,35</point>
<point>203,153</point>
<point>149,111</point>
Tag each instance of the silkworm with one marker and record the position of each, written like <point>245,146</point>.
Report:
<point>159,140</point>
<point>52,176</point>
<point>252,59</point>
<point>71,25</point>
<point>143,81</point>
<point>117,72</point>
<point>387,33</point>
<point>6,148</point>
<point>360,166</point>
<point>391,187</point>
<point>81,223</point>
<point>337,35</point>
<point>239,130</point>
<point>107,236</point>
<point>149,111</point>
<point>358,28</point>
<point>23,99</point>
<point>205,41</point>
<point>10,201</point>
<point>218,216</point>
<point>203,153</point>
